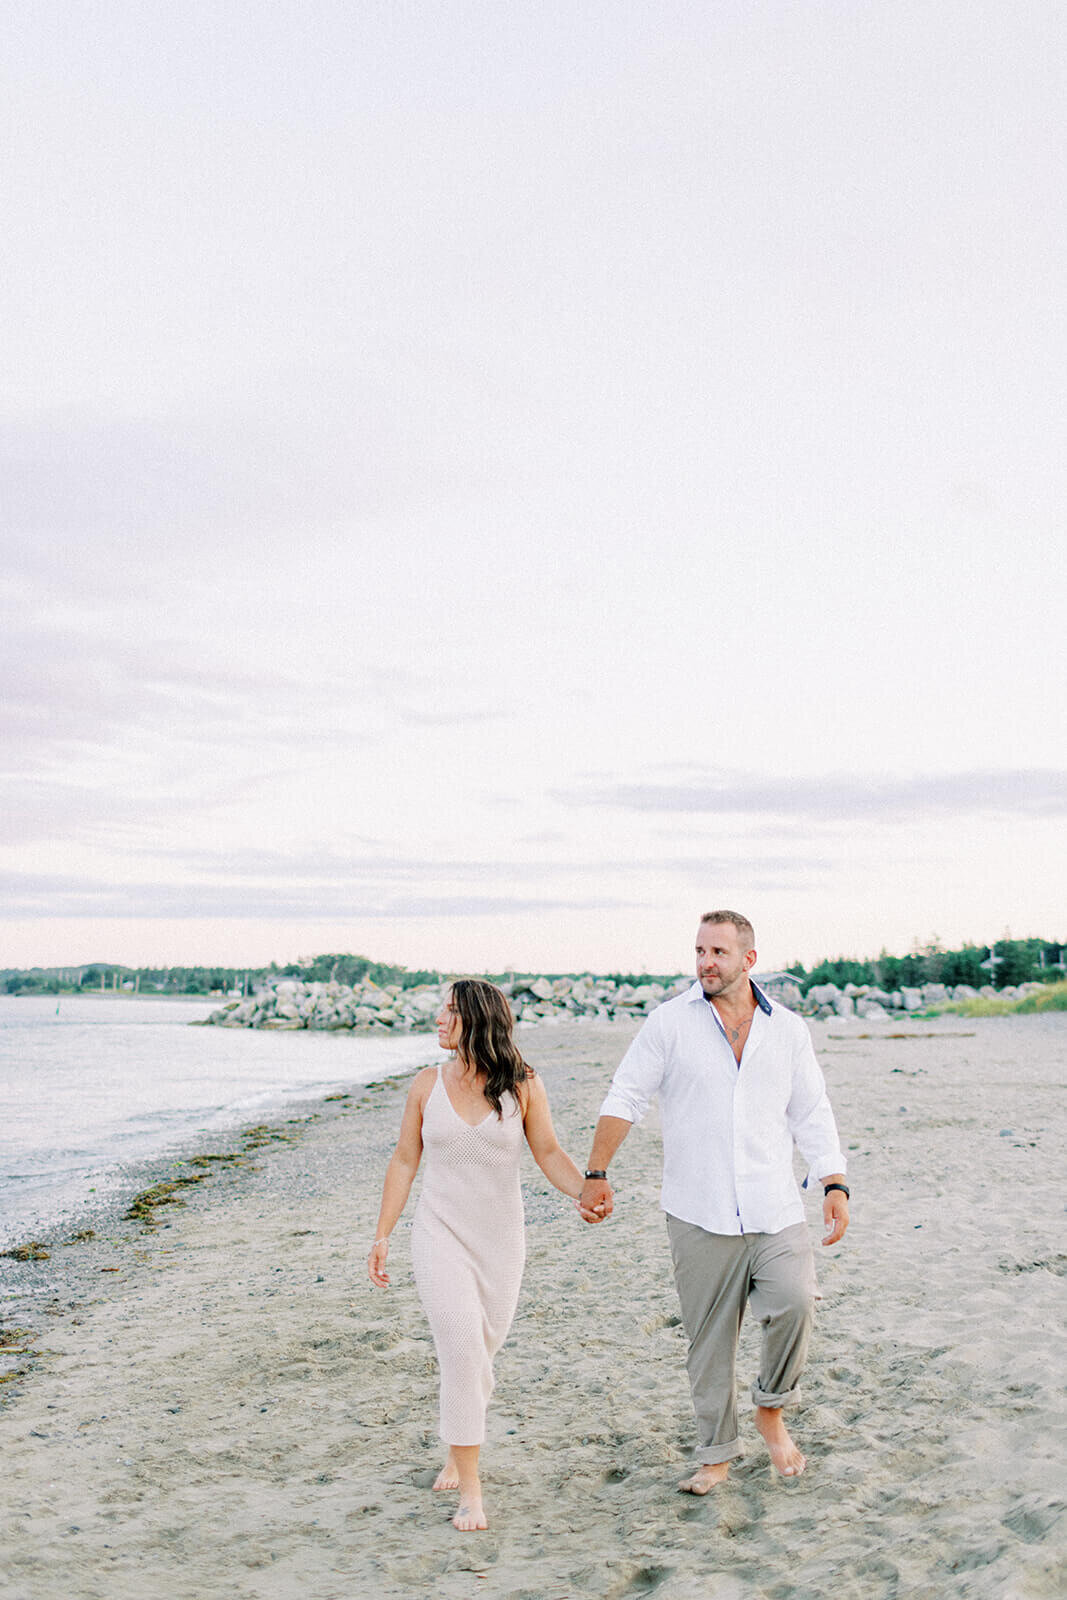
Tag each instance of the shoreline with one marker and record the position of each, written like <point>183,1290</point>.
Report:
<point>238,1412</point>
<point>70,1275</point>
<point>217,1162</point>
<point>114,994</point>
<point>199,1093</point>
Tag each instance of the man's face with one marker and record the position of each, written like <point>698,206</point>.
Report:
<point>722,962</point>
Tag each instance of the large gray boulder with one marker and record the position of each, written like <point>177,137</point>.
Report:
<point>872,1011</point>
<point>823,994</point>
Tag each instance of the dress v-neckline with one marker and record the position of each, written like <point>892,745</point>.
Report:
<point>455,1113</point>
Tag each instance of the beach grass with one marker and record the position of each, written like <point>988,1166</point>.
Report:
<point>1052,998</point>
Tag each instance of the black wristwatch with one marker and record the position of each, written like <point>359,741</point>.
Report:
<point>597,1175</point>
<point>827,1187</point>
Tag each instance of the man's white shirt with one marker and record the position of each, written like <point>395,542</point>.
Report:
<point>729,1130</point>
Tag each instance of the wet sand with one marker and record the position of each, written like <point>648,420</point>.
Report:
<point>235,1412</point>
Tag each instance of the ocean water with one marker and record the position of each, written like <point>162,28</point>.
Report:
<point>90,1086</point>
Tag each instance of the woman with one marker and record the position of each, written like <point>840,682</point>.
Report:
<point>467,1243</point>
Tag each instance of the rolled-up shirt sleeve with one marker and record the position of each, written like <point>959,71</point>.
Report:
<point>638,1075</point>
<point>810,1117</point>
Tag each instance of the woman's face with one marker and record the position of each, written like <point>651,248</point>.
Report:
<point>449,1027</point>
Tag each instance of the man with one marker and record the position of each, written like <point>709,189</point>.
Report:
<point>738,1086</point>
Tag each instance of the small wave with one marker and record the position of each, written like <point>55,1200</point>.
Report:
<point>166,1115</point>
<point>52,1171</point>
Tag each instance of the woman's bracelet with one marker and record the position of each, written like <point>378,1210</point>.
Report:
<point>377,1242</point>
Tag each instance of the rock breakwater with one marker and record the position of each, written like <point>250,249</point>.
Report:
<point>865,1000</point>
<point>292,1004</point>
<point>339,1007</point>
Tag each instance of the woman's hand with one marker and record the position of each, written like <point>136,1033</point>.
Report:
<point>376,1263</point>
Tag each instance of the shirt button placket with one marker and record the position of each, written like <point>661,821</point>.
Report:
<point>734,1115</point>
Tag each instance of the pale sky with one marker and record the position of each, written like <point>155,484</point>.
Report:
<point>483,484</point>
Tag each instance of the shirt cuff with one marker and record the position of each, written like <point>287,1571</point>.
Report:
<point>617,1104</point>
<point>823,1165</point>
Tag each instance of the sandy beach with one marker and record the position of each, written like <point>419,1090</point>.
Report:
<point>223,1406</point>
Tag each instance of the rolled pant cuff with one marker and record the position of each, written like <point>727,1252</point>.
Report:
<point>774,1401</point>
<point>710,1455</point>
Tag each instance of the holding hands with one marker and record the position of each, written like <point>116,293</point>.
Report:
<point>595,1201</point>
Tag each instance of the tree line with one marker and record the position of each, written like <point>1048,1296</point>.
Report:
<point>1014,961</point>
<point>111,978</point>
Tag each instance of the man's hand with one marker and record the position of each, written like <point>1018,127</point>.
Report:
<point>835,1215</point>
<point>595,1201</point>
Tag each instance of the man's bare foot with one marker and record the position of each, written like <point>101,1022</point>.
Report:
<point>448,1477</point>
<point>705,1477</point>
<point>471,1514</point>
<point>785,1457</point>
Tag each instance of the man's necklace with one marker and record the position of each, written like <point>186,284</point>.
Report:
<point>734,1033</point>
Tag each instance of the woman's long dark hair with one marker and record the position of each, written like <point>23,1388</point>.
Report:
<point>485,1039</point>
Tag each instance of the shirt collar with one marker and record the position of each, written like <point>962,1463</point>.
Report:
<point>697,993</point>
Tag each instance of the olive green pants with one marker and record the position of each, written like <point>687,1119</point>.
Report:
<point>717,1276</point>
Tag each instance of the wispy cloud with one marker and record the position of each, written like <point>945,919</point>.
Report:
<point>72,689</point>
<point>97,729</point>
<point>26,896</point>
<point>361,879</point>
<point>66,686</point>
<point>1033,793</point>
<point>310,448</point>
<point>332,866</point>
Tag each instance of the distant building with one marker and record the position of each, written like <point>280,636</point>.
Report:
<point>781,986</point>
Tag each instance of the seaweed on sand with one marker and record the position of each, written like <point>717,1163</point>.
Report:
<point>143,1207</point>
<point>14,1342</point>
<point>33,1251</point>
<point>262,1134</point>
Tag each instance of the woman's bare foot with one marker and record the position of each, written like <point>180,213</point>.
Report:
<point>705,1477</point>
<point>448,1477</point>
<point>471,1513</point>
<point>785,1457</point>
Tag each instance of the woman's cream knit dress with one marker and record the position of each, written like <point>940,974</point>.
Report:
<point>468,1250</point>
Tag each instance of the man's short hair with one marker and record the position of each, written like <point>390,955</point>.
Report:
<point>745,931</point>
